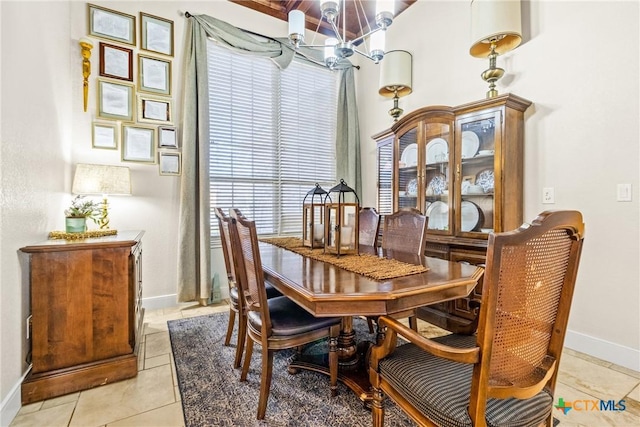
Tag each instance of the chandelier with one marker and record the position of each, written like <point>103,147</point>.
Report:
<point>339,48</point>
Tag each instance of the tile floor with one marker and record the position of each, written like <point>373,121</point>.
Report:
<point>152,398</point>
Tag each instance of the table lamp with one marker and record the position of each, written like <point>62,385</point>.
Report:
<point>495,30</point>
<point>396,78</point>
<point>105,180</point>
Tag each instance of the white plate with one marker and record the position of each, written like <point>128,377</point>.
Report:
<point>437,151</point>
<point>470,144</point>
<point>410,155</point>
<point>471,216</point>
<point>438,213</point>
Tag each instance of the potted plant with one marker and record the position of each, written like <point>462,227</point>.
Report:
<point>78,212</point>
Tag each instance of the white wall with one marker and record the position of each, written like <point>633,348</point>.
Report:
<point>581,135</point>
<point>581,138</point>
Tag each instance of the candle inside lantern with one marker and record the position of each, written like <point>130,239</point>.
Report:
<point>318,232</point>
<point>346,239</point>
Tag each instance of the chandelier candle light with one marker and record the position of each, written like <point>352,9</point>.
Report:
<point>338,48</point>
<point>495,30</point>
<point>105,180</point>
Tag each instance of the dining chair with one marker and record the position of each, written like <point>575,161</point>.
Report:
<point>506,373</point>
<point>369,227</point>
<point>236,305</point>
<point>405,231</point>
<point>275,323</point>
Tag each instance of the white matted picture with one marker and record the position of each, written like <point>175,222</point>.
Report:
<point>138,143</point>
<point>115,100</point>
<point>104,135</point>
<point>156,34</point>
<point>169,163</point>
<point>154,75</point>
<point>111,24</point>
<point>167,137</point>
<point>154,110</point>
<point>116,62</point>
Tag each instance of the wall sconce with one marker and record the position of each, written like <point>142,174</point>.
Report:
<point>341,233</point>
<point>313,217</point>
<point>495,30</point>
<point>105,180</point>
<point>396,78</point>
<point>85,49</point>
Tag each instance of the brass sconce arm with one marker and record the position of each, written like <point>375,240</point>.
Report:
<point>86,45</point>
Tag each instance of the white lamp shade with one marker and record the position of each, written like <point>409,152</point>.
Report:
<point>396,73</point>
<point>376,41</point>
<point>101,179</point>
<point>330,48</point>
<point>495,20</point>
<point>296,22</point>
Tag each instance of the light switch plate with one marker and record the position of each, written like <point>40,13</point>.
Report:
<point>624,193</point>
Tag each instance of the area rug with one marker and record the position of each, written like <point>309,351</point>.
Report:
<point>212,394</point>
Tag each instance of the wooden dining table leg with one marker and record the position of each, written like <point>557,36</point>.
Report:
<point>347,348</point>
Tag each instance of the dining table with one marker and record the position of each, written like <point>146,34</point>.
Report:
<point>326,290</point>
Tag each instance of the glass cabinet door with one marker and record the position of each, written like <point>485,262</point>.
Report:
<point>478,176</point>
<point>408,179</point>
<point>437,203</point>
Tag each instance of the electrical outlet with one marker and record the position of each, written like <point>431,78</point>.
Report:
<point>547,195</point>
<point>624,193</point>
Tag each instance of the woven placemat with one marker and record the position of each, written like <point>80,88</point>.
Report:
<point>368,265</point>
<point>84,235</point>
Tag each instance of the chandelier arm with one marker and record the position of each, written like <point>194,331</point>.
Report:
<point>354,41</point>
<point>366,55</point>
<point>336,31</point>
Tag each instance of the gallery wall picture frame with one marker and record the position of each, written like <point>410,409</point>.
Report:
<point>105,135</point>
<point>167,137</point>
<point>154,110</point>
<point>170,163</point>
<point>111,25</point>
<point>116,100</point>
<point>154,75</point>
<point>116,62</point>
<point>138,143</point>
<point>156,34</point>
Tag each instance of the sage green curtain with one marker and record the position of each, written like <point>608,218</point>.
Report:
<point>348,133</point>
<point>194,239</point>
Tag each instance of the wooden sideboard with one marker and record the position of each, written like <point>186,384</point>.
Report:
<point>86,313</point>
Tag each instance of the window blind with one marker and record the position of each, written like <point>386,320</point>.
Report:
<point>272,137</point>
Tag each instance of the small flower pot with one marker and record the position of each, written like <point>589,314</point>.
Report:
<point>75,225</point>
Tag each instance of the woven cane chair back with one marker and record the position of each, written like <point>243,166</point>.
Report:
<point>405,231</point>
<point>369,223</point>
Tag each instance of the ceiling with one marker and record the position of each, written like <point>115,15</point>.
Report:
<point>311,9</point>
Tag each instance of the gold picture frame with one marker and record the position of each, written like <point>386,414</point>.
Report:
<point>111,25</point>
<point>156,34</point>
<point>138,143</point>
<point>155,110</point>
<point>170,163</point>
<point>105,135</point>
<point>154,75</point>
<point>116,100</point>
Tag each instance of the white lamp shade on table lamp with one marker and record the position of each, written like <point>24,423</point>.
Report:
<point>497,21</point>
<point>396,74</point>
<point>101,179</point>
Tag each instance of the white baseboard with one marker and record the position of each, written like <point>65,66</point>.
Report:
<point>163,301</point>
<point>12,403</point>
<point>605,350</point>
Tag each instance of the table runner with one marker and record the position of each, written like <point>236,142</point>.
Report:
<point>368,265</point>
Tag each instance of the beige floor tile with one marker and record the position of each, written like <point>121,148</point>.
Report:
<point>627,371</point>
<point>176,391</point>
<point>67,398</point>
<point>31,407</point>
<point>594,379</point>
<point>157,324</point>
<point>151,389</point>
<point>52,417</point>
<point>583,415</point>
<point>167,416</point>
<point>586,357</point>
<point>152,362</point>
<point>157,344</point>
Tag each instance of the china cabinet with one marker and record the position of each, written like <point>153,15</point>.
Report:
<point>462,167</point>
<point>86,309</point>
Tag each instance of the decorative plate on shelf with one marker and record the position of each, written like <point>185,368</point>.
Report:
<point>470,144</point>
<point>438,213</point>
<point>410,155</point>
<point>437,185</point>
<point>472,217</point>
<point>412,187</point>
<point>437,151</point>
<point>484,178</point>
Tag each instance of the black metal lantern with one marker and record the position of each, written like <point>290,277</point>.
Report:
<point>313,217</point>
<point>341,231</point>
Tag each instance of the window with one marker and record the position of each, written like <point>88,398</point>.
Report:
<point>272,137</point>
